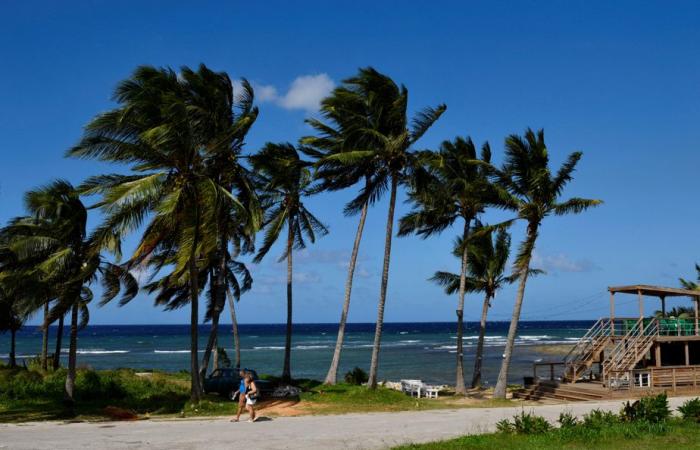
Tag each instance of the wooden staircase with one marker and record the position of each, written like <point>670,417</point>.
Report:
<point>552,390</point>
<point>628,352</point>
<point>587,350</point>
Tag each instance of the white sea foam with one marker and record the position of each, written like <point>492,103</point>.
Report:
<point>97,352</point>
<point>171,351</point>
<point>271,347</point>
<point>310,347</point>
<point>411,341</point>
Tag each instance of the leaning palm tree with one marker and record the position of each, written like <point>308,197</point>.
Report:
<point>162,129</point>
<point>487,260</point>
<point>378,122</point>
<point>342,111</point>
<point>458,188</point>
<point>526,175</point>
<point>285,180</point>
<point>58,249</point>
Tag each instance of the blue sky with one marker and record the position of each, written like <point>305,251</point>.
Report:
<point>621,82</point>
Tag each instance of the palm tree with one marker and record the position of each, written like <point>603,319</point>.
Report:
<point>163,128</point>
<point>526,175</point>
<point>24,290</point>
<point>679,312</point>
<point>10,320</point>
<point>343,111</point>
<point>458,188</point>
<point>691,285</point>
<point>285,180</point>
<point>66,258</point>
<point>487,260</point>
<point>381,137</point>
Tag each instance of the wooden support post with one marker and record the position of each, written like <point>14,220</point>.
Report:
<point>687,354</point>
<point>612,314</point>
<point>663,306</point>
<point>641,304</point>
<point>657,354</point>
<point>551,372</point>
<point>697,301</point>
<point>673,371</point>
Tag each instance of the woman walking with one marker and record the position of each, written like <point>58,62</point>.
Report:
<point>251,396</point>
<point>242,389</point>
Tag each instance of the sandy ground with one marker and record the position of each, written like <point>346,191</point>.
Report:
<point>350,431</point>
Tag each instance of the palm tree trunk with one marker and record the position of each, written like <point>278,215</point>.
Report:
<point>72,355</point>
<point>332,375</point>
<point>219,300</point>
<point>196,386</point>
<point>234,325</point>
<point>476,377</point>
<point>374,363</point>
<point>45,338</point>
<point>502,383</point>
<point>211,342</point>
<point>459,382</point>
<point>13,345</point>
<point>286,369</point>
<point>59,338</point>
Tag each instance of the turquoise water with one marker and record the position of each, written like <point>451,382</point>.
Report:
<point>409,350</point>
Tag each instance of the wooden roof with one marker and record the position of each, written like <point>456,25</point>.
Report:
<point>656,291</point>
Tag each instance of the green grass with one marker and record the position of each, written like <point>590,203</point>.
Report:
<point>672,434</point>
<point>345,398</point>
<point>28,395</point>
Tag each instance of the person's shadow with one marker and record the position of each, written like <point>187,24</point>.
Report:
<point>263,419</point>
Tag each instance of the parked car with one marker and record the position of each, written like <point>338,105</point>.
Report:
<point>226,382</point>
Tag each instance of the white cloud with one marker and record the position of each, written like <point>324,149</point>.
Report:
<point>265,93</point>
<point>305,92</point>
<point>561,263</point>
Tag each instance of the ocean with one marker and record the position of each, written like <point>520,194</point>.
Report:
<point>409,350</point>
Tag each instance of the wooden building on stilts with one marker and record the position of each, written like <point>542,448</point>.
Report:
<point>628,356</point>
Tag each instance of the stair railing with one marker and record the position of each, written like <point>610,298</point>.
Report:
<point>629,349</point>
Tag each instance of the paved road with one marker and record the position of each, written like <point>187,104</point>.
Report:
<point>350,431</point>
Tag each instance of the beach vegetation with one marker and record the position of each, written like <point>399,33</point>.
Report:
<point>356,376</point>
<point>690,409</point>
<point>653,409</point>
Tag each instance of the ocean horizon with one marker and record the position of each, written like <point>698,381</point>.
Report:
<point>423,350</point>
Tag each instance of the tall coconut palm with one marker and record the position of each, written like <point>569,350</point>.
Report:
<point>487,260</point>
<point>342,112</point>
<point>56,240</point>
<point>527,176</point>
<point>458,188</point>
<point>378,121</point>
<point>162,129</point>
<point>286,180</point>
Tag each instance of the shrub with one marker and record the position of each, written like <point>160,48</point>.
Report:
<point>652,409</point>
<point>356,376</point>
<point>690,410</point>
<point>567,420</point>
<point>597,419</point>
<point>524,423</point>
